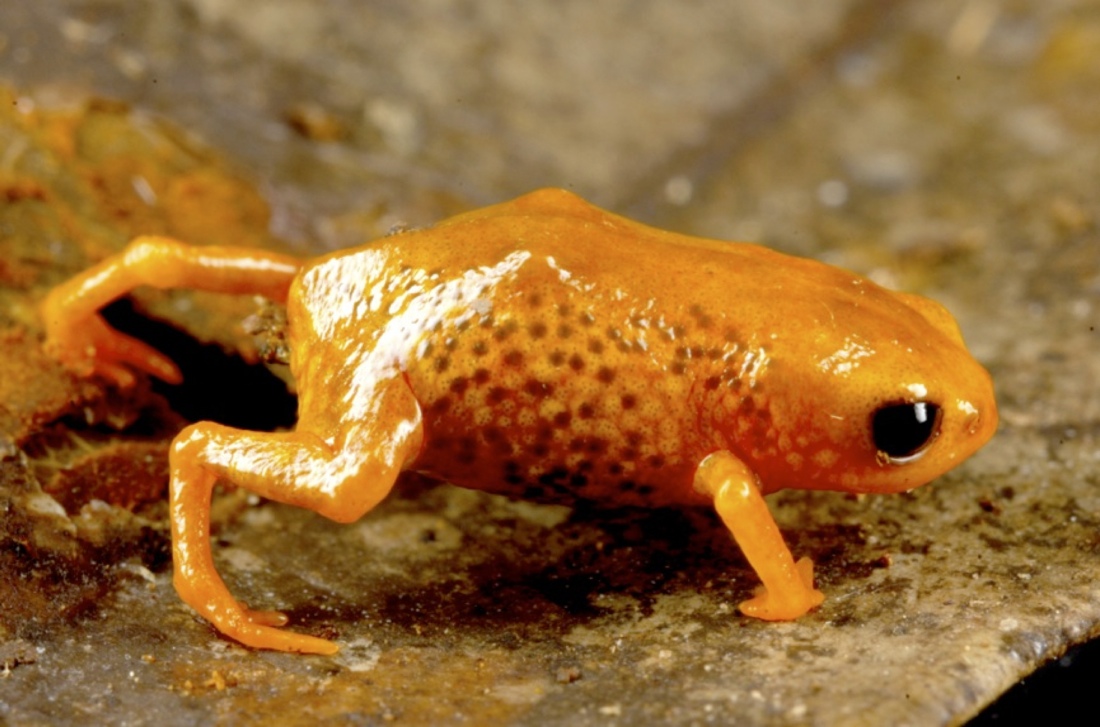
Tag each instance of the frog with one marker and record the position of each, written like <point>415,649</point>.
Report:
<point>546,349</point>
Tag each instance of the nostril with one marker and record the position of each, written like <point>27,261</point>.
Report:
<point>973,421</point>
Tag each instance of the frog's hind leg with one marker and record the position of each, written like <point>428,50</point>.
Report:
<point>79,337</point>
<point>788,591</point>
<point>341,479</point>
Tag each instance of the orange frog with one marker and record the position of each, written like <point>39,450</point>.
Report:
<point>543,348</point>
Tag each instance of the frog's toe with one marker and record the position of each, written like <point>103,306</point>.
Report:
<point>266,618</point>
<point>276,639</point>
<point>768,608</point>
<point>805,568</point>
<point>116,348</point>
<point>120,376</point>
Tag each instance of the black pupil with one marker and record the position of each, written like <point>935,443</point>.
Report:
<point>900,430</point>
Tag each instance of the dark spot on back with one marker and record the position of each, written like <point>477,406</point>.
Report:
<point>700,316</point>
<point>505,330</point>
<point>554,476</point>
<point>441,363</point>
<point>537,330</point>
<point>459,385</point>
<point>576,362</point>
<point>557,358</point>
<point>537,388</point>
<point>565,330</point>
<point>562,419</point>
<point>586,411</point>
<point>595,345</point>
<point>496,395</point>
<point>513,358</point>
<point>482,376</point>
<point>628,401</point>
<point>711,383</point>
<point>480,348</point>
<point>605,375</point>
<point>595,445</point>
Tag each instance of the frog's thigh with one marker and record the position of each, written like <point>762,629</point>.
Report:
<point>788,590</point>
<point>298,468</point>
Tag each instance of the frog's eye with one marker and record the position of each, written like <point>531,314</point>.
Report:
<point>902,431</point>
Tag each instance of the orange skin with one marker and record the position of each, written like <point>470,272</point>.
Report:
<point>543,348</point>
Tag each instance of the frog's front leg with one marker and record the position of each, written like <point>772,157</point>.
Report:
<point>788,587</point>
<point>342,479</point>
<point>79,337</point>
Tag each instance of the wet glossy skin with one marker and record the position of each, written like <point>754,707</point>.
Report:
<point>543,348</point>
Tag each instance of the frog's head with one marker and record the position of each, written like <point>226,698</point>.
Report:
<point>897,400</point>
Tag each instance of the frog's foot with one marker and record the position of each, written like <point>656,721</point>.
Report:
<point>258,629</point>
<point>788,605</point>
<point>261,636</point>
<point>269,637</point>
<point>90,347</point>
